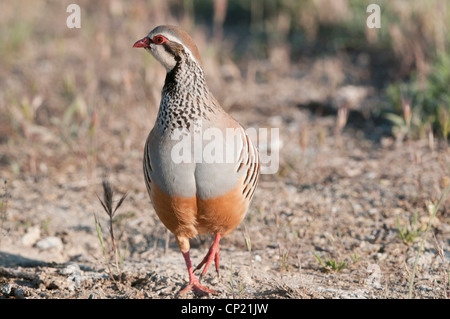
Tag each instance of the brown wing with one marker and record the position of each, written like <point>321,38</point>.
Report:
<point>249,162</point>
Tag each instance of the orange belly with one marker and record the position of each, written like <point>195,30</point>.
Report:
<point>192,216</point>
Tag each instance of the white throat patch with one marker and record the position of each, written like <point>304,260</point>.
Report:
<point>164,57</point>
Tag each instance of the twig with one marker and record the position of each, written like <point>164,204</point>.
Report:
<point>407,269</point>
<point>3,206</point>
<point>107,204</point>
<point>248,243</point>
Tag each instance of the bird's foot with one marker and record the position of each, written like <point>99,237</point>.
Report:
<point>194,284</point>
<point>197,288</point>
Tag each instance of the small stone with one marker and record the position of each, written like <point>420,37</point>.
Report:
<point>31,237</point>
<point>49,242</point>
<point>18,293</point>
<point>70,269</point>
<point>6,289</point>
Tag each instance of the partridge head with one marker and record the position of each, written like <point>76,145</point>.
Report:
<point>169,44</point>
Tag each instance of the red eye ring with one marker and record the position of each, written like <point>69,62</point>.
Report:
<point>159,39</point>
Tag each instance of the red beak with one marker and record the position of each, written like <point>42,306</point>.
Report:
<point>142,43</point>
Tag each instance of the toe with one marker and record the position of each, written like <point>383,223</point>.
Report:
<point>198,289</point>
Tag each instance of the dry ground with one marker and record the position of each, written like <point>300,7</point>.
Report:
<point>340,202</point>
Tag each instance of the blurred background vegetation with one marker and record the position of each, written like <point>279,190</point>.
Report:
<point>85,93</point>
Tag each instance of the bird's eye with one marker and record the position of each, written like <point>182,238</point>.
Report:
<point>159,39</point>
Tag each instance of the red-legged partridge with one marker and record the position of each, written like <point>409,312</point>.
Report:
<point>200,167</point>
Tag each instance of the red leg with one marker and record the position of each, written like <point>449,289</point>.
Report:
<point>194,284</point>
<point>213,253</point>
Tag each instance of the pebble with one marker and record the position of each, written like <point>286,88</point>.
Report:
<point>11,290</point>
<point>31,237</point>
<point>6,289</point>
<point>425,288</point>
<point>74,276</point>
<point>70,269</point>
<point>49,242</point>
